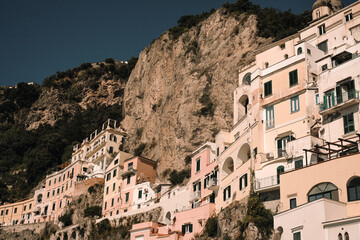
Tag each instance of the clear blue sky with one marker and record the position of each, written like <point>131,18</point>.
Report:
<point>40,37</point>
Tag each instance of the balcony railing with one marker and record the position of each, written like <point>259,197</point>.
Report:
<point>195,196</point>
<point>213,184</point>
<point>281,152</point>
<point>266,182</point>
<point>270,123</point>
<point>340,99</point>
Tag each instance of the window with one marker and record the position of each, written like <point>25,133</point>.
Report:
<point>227,193</point>
<point>130,166</point>
<point>323,190</point>
<point>353,189</point>
<point>114,173</point>
<point>60,179</point>
<point>268,88</point>
<point>281,144</point>
<point>324,67</point>
<point>112,202</point>
<point>128,179</point>
<point>48,194</point>
<point>50,183</point>
<point>7,212</point>
<point>2,212</point>
<point>197,186</point>
<point>114,184</point>
<point>127,197</point>
<point>282,46</point>
<point>30,206</point>
<point>340,237</point>
<point>206,181</point>
<point>58,191</point>
<point>349,125</point>
<point>293,77</point>
<point>187,228</point>
<point>321,29</point>
<point>197,164</point>
<point>54,180</point>
<point>60,203</point>
<point>345,90</point>
<point>243,182</point>
<point>105,205</point>
<point>296,236</point>
<point>108,176</point>
<point>111,150</point>
<point>299,51</point>
<point>294,104</point>
<point>53,193</point>
<point>286,56</point>
<point>116,161</point>
<point>217,151</point>
<point>15,210</point>
<point>308,51</point>
<point>292,203</point>
<point>24,207</point>
<point>346,235</point>
<point>279,170</point>
<point>266,65</point>
<point>323,46</point>
<point>270,121</point>
<point>107,190</point>
<point>348,17</point>
<point>317,99</point>
<point>140,194</point>
<point>298,164</point>
<point>53,206</point>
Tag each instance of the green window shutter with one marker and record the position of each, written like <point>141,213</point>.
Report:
<point>224,194</point>
<point>190,228</point>
<point>240,183</point>
<point>325,102</point>
<point>183,229</point>
<point>229,193</point>
<point>333,98</point>
<point>338,95</point>
<point>246,180</point>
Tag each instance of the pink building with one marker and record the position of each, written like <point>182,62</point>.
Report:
<point>203,186</point>
<point>121,180</point>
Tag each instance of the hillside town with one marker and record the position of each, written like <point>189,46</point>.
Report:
<point>294,142</point>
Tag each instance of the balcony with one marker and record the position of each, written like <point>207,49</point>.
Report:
<point>281,152</point>
<point>267,183</point>
<point>195,196</point>
<point>213,184</point>
<point>295,148</point>
<point>344,100</point>
<point>130,171</point>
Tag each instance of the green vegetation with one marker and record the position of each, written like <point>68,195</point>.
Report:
<point>188,159</point>
<point>178,177</point>
<point>211,227</point>
<point>138,151</point>
<point>271,22</point>
<point>92,211</point>
<point>66,218</point>
<point>259,215</point>
<point>25,156</point>
<point>91,189</point>
<point>185,23</point>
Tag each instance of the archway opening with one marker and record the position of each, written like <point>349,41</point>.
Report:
<point>228,167</point>
<point>353,189</point>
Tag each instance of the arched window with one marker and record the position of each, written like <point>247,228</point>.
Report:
<point>340,236</point>
<point>279,170</point>
<point>299,51</point>
<point>323,190</point>
<point>286,56</point>
<point>346,235</point>
<point>266,65</point>
<point>246,79</point>
<point>353,189</point>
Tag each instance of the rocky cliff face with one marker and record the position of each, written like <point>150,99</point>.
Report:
<point>180,94</point>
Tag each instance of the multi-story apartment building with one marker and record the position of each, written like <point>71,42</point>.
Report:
<point>125,184</point>
<point>88,160</point>
<point>16,213</point>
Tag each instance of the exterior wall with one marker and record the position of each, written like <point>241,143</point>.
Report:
<point>16,213</point>
<point>147,195</point>
<point>299,220</point>
<point>350,226</point>
<point>197,217</point>
<point>338,171</point>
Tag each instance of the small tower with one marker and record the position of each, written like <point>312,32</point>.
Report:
<point>325,7</point>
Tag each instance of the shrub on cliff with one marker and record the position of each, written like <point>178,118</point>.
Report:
<point>92,211</point>
<point>66,218</point>
<point>178,177</point>
<point>211,226</point>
